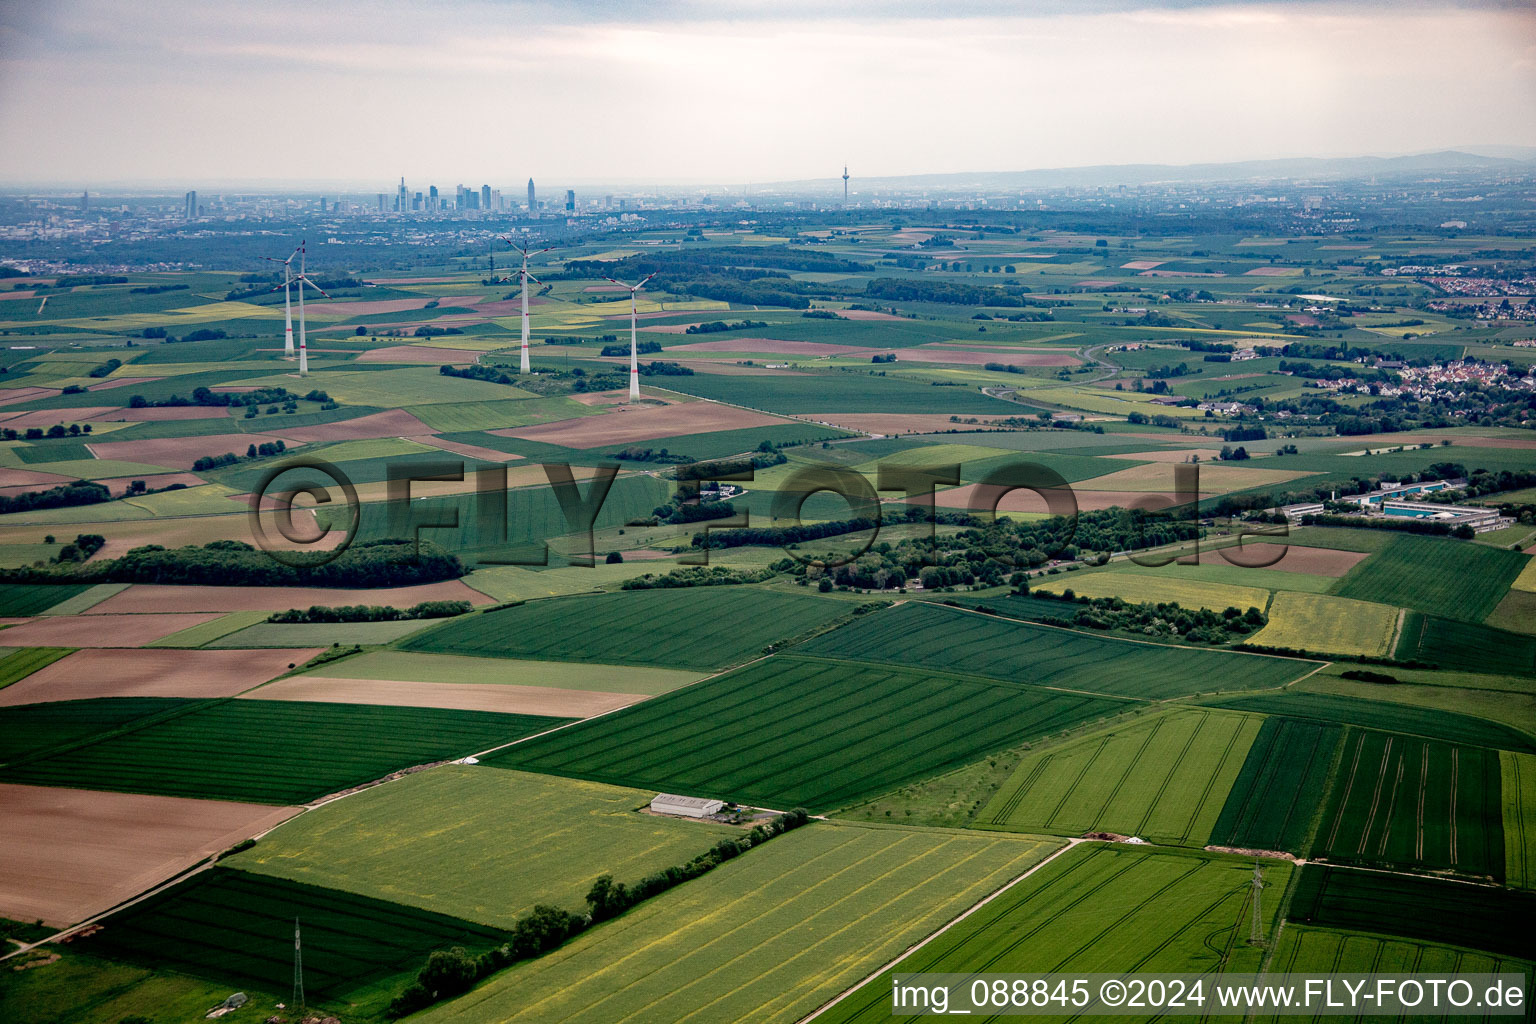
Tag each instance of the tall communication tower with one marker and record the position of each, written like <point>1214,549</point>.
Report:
<point>845,184</point>
<point>1256,931</point>
<point>298,969</point>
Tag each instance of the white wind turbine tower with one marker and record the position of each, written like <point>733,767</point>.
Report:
<point>287,301</point>
<point>524,277</point>
<point>634,358</point>
<point>303,280</point>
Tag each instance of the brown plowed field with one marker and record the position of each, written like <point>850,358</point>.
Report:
<point>472,451</point>
<point>1311,561</point>
<point>623,426</point>
<point>119,484</point>
<point>513,700</point>
<point>72,853</point>
<point>150,672</point>
<point>98,630</point>
<point>169,412</point>
<point>419,354</point>
<point>393,423</point>
<point>30,478</point>
<point>181,452</point>
<point>897,423</point>
<point>156,597</point>
<point>48,417</point>
<point>1028,501</point>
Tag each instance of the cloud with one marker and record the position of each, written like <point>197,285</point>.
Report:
<point>735,92</point>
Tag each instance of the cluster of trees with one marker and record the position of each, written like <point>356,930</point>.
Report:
<point>38,433</point>
<point>273,284</point>
<point>1230,454</point>
<point>704,576</point>
<point>1157,420</point>
<point>380,563</point>
<point>203,396</point>
<point>719,326</point>
<point>914,289</point>
<point>159,289</point>
<point>82,547</point>
<point>493,374</point>
<point>641,348</point>
<point>80,492</point>
<point>1161,620</point>
<point>635,453</point>
<point>682,511</point>
<point>266,449</point>
<point>663,369</point>
<point>103,369</point>
<point>448,973</point>
<point>372,612</point>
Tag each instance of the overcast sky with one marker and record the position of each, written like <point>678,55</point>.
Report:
<point>191,91</point>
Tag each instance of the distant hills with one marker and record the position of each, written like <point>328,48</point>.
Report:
<point>1493,158</point>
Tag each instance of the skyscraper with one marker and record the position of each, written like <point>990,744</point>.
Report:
<point>485,197</point>
<point>85,201</point>
<point>191,211</point>
<point>432,201</point>
<point>533,210</point>
<point>403,202</point>
<point>570,200</point>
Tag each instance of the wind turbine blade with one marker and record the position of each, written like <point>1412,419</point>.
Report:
<point>546,249</point>
<point>612,280</point>
<point>316,287</point>
<point>646,278</point>
<point>534,279</point>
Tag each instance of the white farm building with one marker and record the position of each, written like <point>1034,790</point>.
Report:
<point>688,806</point>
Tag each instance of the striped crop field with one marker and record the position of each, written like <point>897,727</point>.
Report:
<point>1518,777</point>
<point>1309,950</point>
<point>1436,575</point>
<point>268,751</point>
<point>1329,625</point>
<point>948,639</point>
<point>796,731</point>
<point>237,927</point>
<point>1098,908</point>
<point>1404,802</point>
<point>1280,788</point>
<point>1164,778</point>
<point>1437,910</point>
<point>766,937</point>
<point>703,627</point>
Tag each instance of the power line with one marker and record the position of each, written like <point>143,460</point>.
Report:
<point>1256,932</point>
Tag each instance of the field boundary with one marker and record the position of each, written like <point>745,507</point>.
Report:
<point>1070,844</point>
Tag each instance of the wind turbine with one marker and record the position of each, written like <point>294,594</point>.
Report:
<point>303,280</point>
<point>287,301</point>
<point>634,358</point>
<point>524,277</point>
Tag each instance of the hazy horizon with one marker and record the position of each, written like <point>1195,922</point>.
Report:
<point>689,95</point>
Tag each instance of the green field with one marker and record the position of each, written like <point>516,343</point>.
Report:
<point>269,751</point>
<point>237,927</point>
<point>1106,908</point>
<point>1431,723</point>
<point>840,392</point>
<point>80,988</point>
<point>1406,803</point>
<point>1309,950</point>
<point>208,632</point>
<point>791,731</point>
<point>1163,778</point>
<point>766,937</point>
<point>478,843</point>
<point>704,627</point>
<point>1433,909</point>
<point>17,599</point>
<point>1452,578</point>
<point>1329,625</point>
<point>1518,786</point>
<point>16,663</point>
<point>934,636</point>
<point>1280,788</point>
<point>1466,647</point>
<point>32,728</point>
<point>453,668</point>
<point>313,634</point>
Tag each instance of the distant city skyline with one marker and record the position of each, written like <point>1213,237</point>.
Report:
<point>686,93</point>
